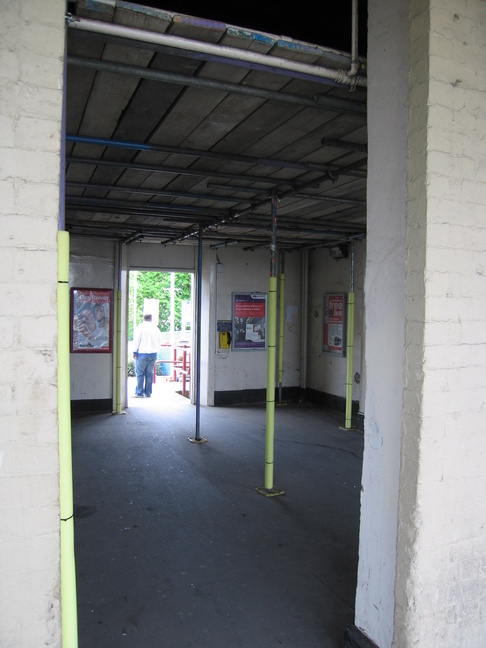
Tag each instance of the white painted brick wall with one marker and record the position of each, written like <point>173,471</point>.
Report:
<point>31,51</point>
<point>384,315</point>
<point>441,584</point>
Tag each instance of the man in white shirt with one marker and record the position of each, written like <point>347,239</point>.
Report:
<point>146,343</point>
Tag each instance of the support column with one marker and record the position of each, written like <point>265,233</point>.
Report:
<point>269,490</point>
<point>350,348</point>
<point>384,317</point>
<point>421,578</point>
<point>198,438</point>
<point>281,328</point>
<point>441,547</point>
<point>68,568</point>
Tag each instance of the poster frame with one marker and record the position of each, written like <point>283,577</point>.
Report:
<point>241,323</point>
<point>91,297</point>
<point>336,346</point>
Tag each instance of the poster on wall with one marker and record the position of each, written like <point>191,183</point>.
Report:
<point>334,324</point>
<point>91,320</point>
<point>249,321</point>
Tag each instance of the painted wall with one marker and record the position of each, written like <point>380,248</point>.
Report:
<point>153,256</point>
<point>225,271</point>
<point>245,271</point>
<point>31,80</point>
<point>92,265</point>
<point>326,372</point>
<point>441,569</point>
<point>421,577</point>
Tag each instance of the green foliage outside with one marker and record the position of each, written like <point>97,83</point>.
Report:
<point>131,368</point>
<point>157,285</point>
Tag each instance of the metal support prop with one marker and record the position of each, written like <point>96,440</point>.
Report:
<point>281,326</point>
<point>198,438</point>
<point>117,343</point>
<point>118,368</point>
<point>269,490</point>
<point>350,347</point>
<point>69,623</point>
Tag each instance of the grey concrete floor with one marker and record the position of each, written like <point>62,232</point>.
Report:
<point>174,546</point>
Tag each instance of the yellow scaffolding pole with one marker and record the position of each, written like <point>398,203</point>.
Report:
<point>69,620</point>
<point>269,490</point>
<point>350,348</point>
<point>281,327</point>
<point>118,368</point>
<point>349,364</point>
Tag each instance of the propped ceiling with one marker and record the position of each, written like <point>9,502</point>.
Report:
<point>208,132</point>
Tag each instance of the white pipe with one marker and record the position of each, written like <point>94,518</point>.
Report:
<point>120,31</point>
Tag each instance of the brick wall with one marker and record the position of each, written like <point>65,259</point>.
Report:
<point>31,51</point>
<point>441,578</point>
<point>384,315</point>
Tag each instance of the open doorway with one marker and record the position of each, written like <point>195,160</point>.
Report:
<point>168,296</point>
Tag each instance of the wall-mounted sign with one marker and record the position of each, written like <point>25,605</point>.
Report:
<point>91,320</point>
<point>249,321</point>
<point>334,324</point>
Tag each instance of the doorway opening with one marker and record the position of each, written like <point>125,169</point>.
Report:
<point>168,296</point>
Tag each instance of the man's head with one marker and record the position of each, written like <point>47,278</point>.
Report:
<point>147,317</point>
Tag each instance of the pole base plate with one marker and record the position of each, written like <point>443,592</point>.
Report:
<point>200,440</point>
<point>269,492</point>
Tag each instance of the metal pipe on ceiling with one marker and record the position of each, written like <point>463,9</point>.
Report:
<point>212,155</point>
<point>318,101</point>
<point>176,150</point>
<point>335,199</point>
<point>290,193</point>
<point>107,207</point>
<point>160,209</point>
<point>335,58</point>
<point>154,192</point>
<point>174,170</point>
<point>94,26</point>
<point>342,144</point>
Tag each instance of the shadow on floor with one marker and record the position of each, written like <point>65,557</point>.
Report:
<point>174,546</point>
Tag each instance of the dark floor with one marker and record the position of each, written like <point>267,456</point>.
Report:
<point>174,546</point>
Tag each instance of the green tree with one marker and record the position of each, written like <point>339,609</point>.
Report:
<point>157,285</point>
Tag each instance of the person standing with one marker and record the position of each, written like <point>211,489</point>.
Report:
<point>146,343</point>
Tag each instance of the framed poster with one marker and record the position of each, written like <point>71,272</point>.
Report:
<point>249,321</point>
<point>91,320</point>
<point>334,324</point>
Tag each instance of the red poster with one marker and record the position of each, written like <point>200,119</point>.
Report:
<point>334,317</point>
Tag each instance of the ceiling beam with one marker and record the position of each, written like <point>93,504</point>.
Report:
<point>320,101</point>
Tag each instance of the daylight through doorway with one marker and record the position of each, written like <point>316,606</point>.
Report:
<point>168,297</point>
